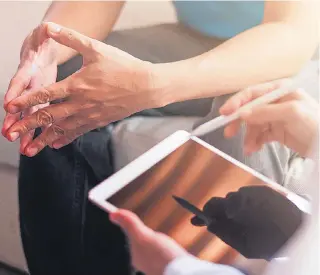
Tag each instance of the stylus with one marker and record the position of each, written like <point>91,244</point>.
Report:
<point>221,121</point>
<point>191,208</point>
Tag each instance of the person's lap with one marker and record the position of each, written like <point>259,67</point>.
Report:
<point>62,232</point>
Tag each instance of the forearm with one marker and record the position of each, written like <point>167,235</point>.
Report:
<point>268,51</point>
<point>93,19</point>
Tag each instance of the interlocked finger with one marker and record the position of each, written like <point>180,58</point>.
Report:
<point>45,117</point>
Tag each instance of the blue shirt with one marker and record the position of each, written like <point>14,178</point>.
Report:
<point>222,19</point>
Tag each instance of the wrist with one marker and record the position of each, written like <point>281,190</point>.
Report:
<point>169,83</point>
<point>151,82</point>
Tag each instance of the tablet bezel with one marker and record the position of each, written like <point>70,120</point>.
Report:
<point>99,194</point>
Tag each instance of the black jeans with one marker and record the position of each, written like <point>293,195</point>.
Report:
<point>62,232</point>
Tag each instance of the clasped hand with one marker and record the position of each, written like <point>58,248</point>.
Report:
<point>110,85</point>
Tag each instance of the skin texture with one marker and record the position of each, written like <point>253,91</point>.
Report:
<point>292,120</point>
<point>279,47</point>
<point>40,56</point>
<point>86,105</point>
<point>38,68</point>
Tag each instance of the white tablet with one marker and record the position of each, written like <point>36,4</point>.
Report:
<point>187,167</point>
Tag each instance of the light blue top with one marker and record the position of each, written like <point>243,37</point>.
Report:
<point>222,19</point>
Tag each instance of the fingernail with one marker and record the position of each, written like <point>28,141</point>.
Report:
<point>31,151</point>
<point>54,28</point>
<point>57,145</point>
<point>13,136</point>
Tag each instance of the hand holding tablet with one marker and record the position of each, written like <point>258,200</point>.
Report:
<point>184,166</point>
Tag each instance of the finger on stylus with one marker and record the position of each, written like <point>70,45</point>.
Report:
<point>232,129</point>
<point>245,96</point>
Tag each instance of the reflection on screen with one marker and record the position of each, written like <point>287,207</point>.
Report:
<point>192,172</point>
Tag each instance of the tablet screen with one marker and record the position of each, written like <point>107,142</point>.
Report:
<point>192,172</point>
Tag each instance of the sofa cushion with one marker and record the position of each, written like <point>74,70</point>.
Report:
<point>134,136</point>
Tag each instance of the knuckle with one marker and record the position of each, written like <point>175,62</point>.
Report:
<point>42,25</point>
<point>43,117</point>
<point>23,127</point>
<point>77,123</point>
<point>94,116</point>
<point>245,96</point>
<point>70,35</point>
<point>62,91</point>
<point>41,97</point>
<point>89,44</point>
<point>40,142</point>
<point>58,130</point>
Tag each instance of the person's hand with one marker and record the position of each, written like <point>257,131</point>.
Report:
<point>110,85</point>
<point>256,220</point>
<point>37,68</point>
<point>292,120</point>
<point>151,251</point>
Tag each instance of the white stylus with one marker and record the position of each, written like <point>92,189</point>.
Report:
<point>221,121</point>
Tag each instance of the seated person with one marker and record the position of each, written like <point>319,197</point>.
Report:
<point>217,49</point>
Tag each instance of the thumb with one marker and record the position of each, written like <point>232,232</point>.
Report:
<point>130,224</point>
<point>72,39</point>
